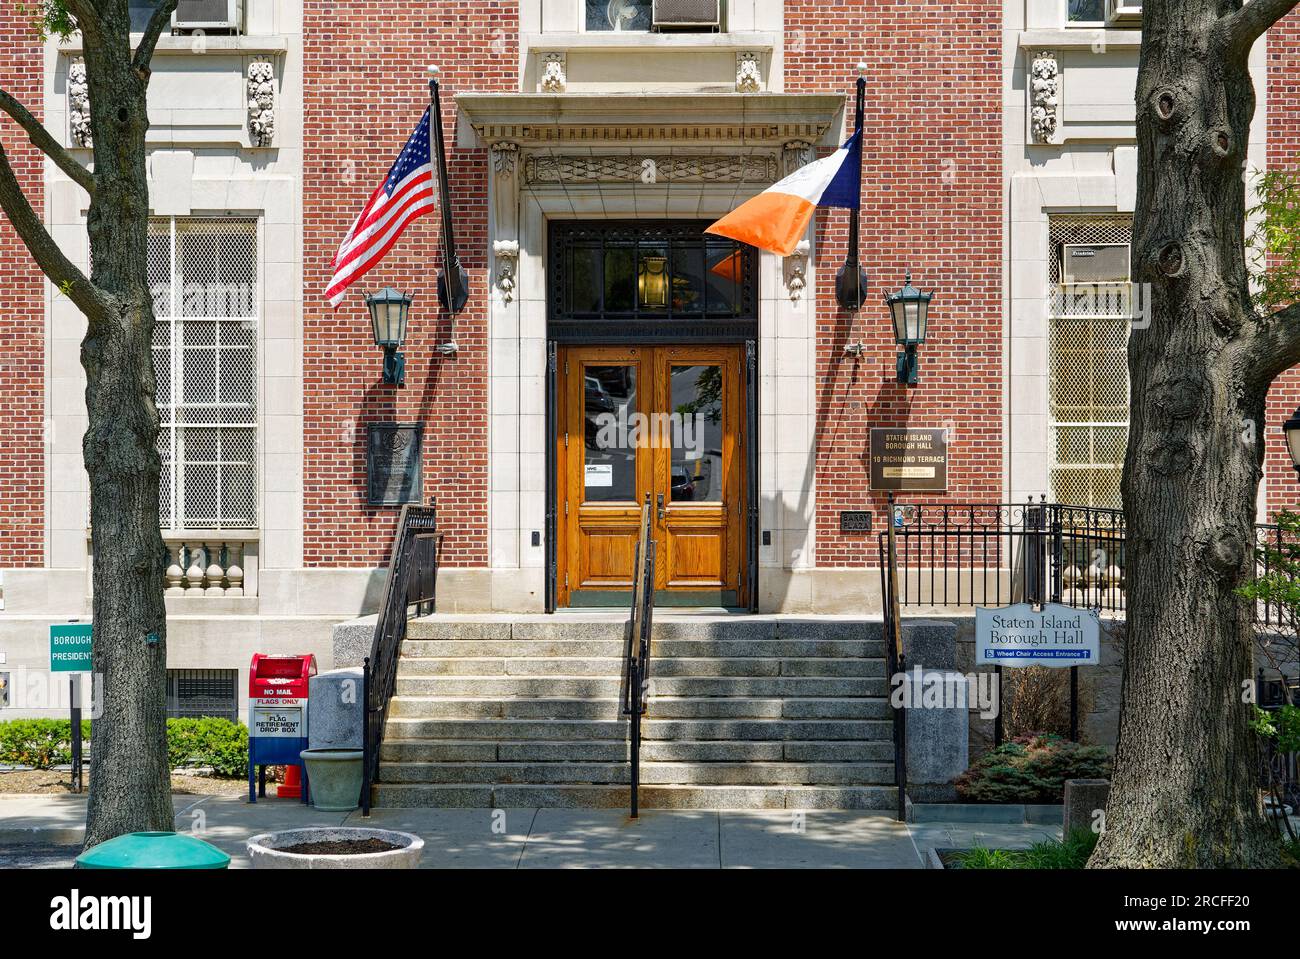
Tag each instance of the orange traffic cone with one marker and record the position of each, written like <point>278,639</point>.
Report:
<point>291,788</point>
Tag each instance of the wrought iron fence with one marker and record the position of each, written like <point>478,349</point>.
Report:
<point>996,554</point>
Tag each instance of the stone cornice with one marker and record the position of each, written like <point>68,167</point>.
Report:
<point>613,118</point>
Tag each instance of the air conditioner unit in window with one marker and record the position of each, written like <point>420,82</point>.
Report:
<point>1095,263</point>
<point>1123,11</point>
<point>209,15</point>
<point>687,13</point>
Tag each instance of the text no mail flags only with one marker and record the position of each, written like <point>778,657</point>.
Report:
<point>777,218</point>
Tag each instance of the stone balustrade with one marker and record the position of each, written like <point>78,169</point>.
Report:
<point>205,568</point>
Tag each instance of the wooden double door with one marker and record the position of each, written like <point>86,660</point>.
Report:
<point>667,421</point>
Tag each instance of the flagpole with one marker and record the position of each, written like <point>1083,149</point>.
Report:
<point>851,280</point>
<point>453,284</point>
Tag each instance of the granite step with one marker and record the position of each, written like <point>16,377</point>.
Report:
<point>494,796</point>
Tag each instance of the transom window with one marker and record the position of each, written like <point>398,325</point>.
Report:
<point>642,278</point>
<point>204,279</point>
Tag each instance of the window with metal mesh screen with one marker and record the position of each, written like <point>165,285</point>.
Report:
<point>203,277</point>
<point>1088,391</point>
<point>195,693</point>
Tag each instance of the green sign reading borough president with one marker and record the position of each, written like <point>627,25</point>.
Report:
<point>70,648</point>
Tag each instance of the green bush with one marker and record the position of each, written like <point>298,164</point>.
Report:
<point>218,743</point>
<point>39,743</point>
<point>1070,853</point>
<point>1031,769</point>
<point>42,743</point>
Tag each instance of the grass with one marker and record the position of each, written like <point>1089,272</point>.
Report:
<point>1070,853</point>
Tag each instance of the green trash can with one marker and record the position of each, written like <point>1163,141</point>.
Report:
<point>154,850</point>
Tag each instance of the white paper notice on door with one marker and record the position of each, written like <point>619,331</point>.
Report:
<point>600,474</point>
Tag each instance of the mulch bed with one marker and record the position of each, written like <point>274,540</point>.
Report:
<point>59,781</point>
<point>340,847</point>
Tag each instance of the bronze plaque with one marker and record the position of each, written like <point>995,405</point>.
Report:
<point>907,459</point>
<point>855,521</point>
<point>394,463</point>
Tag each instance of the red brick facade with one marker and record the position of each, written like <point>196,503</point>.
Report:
<point>931,201</point>
<point>1283,98</point>
<point>22,298</point>
<point>365,89</point>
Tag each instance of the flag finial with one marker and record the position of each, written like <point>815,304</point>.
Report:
<point>433,71</point>
<point>862,68</point>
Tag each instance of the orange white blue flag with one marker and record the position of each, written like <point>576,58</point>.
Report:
<point>777,218</point>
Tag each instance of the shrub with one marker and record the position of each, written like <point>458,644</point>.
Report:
<point>43,743</point>
<point>218,743</point>
<point>39,743</point>
<point>1037,700</point>
<point>1069,853</point>
<point>1031,769</point>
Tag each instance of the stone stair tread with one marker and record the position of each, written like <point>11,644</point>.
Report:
<point>480,795</point>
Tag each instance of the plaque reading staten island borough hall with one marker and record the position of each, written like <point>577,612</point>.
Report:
<point>394,463</point>
<point>905,459</point>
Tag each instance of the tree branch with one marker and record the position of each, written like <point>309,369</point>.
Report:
<point>144,52</point>
<point>1276,348</point>
<point>1249,23</point>
<point>44,141</point>
<point>91,300</point>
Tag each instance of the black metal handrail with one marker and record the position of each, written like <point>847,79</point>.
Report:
<point>895,661</point>
<point>411,582</point>
<point>636,666</point>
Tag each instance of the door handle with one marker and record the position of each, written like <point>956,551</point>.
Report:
<point>661,507</point>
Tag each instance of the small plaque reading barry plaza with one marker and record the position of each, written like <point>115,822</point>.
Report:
<point>394,463</point>
<point>906,459</point>
<point>855,521</point>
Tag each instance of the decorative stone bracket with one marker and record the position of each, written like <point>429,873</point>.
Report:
<point>796,153</point>
<point>553,70</point>
<point>507,257</point>
<point>749,72</point>
<point>796,267</point>
<point>79,104</point>
<point>261,102</point>
<point>1044,96</point>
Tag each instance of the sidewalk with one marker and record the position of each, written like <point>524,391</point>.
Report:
<point>46,831</point>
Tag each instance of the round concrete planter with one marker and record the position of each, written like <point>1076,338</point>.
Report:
<point>273,850</point>
<point>334,776</point>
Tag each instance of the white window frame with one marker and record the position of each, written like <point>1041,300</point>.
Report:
<point>175,319</point>
<point>583,28</point>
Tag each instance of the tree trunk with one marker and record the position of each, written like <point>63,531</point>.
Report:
<point>1185,788</point>
<point>129,783</point>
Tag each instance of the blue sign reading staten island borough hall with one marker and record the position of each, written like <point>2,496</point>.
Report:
<point>1020,635</point>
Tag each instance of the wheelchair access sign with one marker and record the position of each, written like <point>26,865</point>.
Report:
<point>1021,635</point>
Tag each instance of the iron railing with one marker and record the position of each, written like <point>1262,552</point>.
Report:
<point>636,667</point>
<point>895,661</point>
<point>411,583</point>
<point>996,554</point>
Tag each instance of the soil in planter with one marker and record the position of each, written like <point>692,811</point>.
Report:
<point>340,847</point>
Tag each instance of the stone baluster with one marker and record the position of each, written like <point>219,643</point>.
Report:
<point>194,575</point>
<point>215,574</point>
<point>235,577</point>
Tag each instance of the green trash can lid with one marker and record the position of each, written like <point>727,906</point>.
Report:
<point>154,850</point>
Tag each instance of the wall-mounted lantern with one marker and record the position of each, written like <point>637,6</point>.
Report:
<point>1291,428</point>
<point>652,281</point>
<point>388,312</point>
<point>909,309</point>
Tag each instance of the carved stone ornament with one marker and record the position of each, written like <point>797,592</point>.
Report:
<point>504,155</point>
<point>79,104</point>
<point>507,254</point>
<point>657,168</point>
<point>795,154</point>
<point>749,74</point>
<point>796,269</point>
<point>261,102</point>
<point>1044,95</point>
<point>553,78</point>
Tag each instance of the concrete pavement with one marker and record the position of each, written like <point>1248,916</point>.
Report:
<point>45,830</point>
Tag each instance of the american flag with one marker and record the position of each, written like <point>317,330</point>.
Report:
<point>406,194</point>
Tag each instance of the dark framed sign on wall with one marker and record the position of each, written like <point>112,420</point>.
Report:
<point>904,459</point>
<point>394,463</point>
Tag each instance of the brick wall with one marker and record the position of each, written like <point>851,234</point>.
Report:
<point>22,315</point>
<point>1283,488</point>
<point>931,200</point>
<point>365,83</point>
